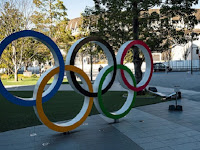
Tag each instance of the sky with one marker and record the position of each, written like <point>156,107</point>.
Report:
<point>76,7</point>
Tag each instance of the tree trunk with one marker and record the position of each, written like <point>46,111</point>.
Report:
<point>136,59</point>
<point>25,67</point>
<point>14,59</point>
<point>16,76</point>
<point>82,60</point>
<point>137,64</point>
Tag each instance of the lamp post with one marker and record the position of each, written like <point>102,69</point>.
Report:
<point>192,35</point>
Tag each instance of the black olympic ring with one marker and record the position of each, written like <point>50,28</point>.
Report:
<point>103,44</point>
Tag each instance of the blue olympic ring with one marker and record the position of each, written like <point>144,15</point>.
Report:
<point>51,91</point>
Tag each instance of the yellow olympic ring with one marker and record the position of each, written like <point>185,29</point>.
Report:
<point>80,118</point>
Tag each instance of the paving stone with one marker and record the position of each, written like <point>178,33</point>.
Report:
<point>191,133</point>
<point>7,147</point>
<point>186,146</point>
<point>152,145</point>
<point>169,136</point>
<point>97,134</point>
<point>178,141</point>
<point>164,148</point>
<point>144,140</point>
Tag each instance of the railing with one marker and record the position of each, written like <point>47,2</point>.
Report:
<point>184,65</point>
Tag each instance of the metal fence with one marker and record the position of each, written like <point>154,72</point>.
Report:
<point>184,65</point>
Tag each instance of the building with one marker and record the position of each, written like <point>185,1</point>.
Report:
<point>178,52</point>
<point>74,25</point>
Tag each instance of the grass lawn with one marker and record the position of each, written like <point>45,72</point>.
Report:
<point>63,106</point>
<point>26,81</point>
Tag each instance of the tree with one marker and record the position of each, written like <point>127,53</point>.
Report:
<point>12,20</point>
<point>119,21</point>
<point>50,18</point>
<point>35,50</point>
<point>171,13</point>
<point>90,49</point>
<point>49,13</point>
<point>14,17</point>
<point>62,36</point>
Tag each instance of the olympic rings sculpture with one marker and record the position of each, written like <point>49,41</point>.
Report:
<point>92,93</point>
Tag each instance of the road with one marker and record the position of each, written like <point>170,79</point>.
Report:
<point>183,79</point>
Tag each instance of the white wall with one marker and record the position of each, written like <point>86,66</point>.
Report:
<point>178,52</point>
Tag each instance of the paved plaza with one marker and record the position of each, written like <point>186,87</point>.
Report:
<point>150,127</point>
<point>146,127</point>
<point>185,80</point>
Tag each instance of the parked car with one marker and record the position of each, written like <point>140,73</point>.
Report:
<point>160,67</point>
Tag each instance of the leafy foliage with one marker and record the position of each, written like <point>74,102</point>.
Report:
<point>49,18</point>
<point>119,21</point>
<point>49,13</point>
<point>12,20</point>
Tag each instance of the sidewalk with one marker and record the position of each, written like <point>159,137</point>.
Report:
<point>150,127</point>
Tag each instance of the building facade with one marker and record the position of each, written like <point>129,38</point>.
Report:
<point>177,52</point>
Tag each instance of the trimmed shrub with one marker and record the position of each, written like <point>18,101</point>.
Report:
<point>34,76</point>
<point>4,77</point>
